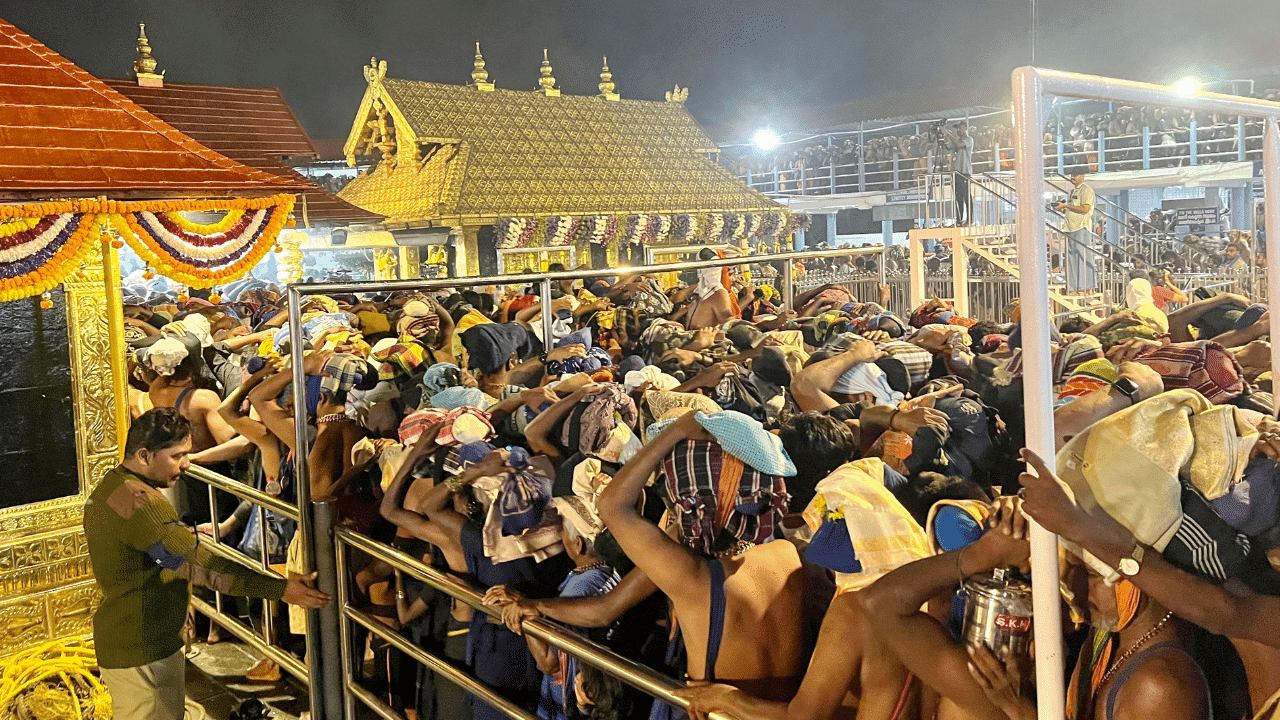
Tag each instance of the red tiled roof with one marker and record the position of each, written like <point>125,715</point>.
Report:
<point>64,133</point>
<point>254,126</point>
<point>238,122</point>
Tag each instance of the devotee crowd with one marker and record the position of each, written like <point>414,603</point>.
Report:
<point>808,513</point>
<point>927,148</point>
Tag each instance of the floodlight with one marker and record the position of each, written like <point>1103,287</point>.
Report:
<point>766,139</point>
<point>1186,87</point>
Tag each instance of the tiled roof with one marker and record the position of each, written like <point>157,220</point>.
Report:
<point>254,126</point>
<point>235,121</point>
<point>64,133</point>
<point>468,156</point>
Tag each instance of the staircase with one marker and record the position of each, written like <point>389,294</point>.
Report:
<point>996,245</point>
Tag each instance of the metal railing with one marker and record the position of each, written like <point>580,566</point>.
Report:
<point>1147,149</point>
<point>330,664</point>
<point>262,502</point>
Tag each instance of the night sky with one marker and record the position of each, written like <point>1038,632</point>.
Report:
<point>747,62</point>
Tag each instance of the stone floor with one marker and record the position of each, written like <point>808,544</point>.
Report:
<point>215,681</point>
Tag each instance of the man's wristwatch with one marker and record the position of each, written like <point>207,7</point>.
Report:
<point>1131,565</point>
<point>1129,389</point>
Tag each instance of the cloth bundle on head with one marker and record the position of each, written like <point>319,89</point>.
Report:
<point>595,358</point>
<point>1127,330</point>
<point>1250,505</point>
<point>440,376</point>
<point>418,321</point>
<point>462,425</point>
<point>350,339</point>
<point>777,365</point>
<point>915,359</point>
<point>164,356</point>
<point>867,378</point>
<point>1091,376</point>
<point>1203,366</point>
<point>718,500</point>
<point>398,357</point>
<point>1129,464</point>
<point>1079,349</point>
<point>320,323</point>
<point>341,373</point>
<point>746,439</point>
<point>195,325</point>
<point>860,530</point>
<point>657,379</point>
<point>663,336</point>
<point>582,516</point>
<point>516,525</point>
<point>824,326</point>
<point>954,524</point>
<point>489,346</point>
<point>592,425</point>
<point>318,303</point>
<point>461,457</point>
<point>661,403</point>
<point>458,396</point>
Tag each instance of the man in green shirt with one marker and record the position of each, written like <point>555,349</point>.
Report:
<point>145,560</point>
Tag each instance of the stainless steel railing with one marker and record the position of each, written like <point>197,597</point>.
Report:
<point>216,612</point>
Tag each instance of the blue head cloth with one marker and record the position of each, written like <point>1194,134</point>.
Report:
<point>457,396</point>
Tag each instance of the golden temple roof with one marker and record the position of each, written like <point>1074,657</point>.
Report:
<point>455,155</point>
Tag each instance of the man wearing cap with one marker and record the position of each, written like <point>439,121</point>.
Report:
<point>1082,273</point>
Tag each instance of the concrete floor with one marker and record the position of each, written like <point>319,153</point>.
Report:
<point>215,680</point>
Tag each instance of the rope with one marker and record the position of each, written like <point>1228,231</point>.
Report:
<point>54,681</point>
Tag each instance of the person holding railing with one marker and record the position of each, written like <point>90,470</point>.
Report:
<point>1082,272</point>
<point>145,562</point>
<point>961,145</point>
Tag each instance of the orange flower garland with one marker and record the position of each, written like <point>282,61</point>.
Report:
<point>35,263</point>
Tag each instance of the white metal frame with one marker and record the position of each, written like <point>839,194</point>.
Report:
<point>1031,88</point>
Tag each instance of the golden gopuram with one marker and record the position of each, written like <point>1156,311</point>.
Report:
<point>518,178</point>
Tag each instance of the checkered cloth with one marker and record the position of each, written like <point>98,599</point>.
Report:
<point>716,499</point>
<point>462,426</point>
<point>745,438</point>
<point>402,357</point>
<point>458,396</point>
<point>341,373</point>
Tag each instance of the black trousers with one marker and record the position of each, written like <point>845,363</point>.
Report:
<point>964,200</point>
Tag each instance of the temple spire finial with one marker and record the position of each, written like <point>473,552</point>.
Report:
<point>607,85</point>
<point>480,76</point>
<point>547,82</point>
<point>144,66</point>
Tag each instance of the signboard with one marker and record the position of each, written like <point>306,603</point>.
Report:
<point>912,195</point>
<point>1197,216</point>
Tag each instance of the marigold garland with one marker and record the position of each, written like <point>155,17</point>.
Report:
<point>41,244</point>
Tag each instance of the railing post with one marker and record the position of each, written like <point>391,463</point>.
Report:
<point>749,184</point>
<point>547,316</point>
<point>895,173</point>
<point>1062,165</point>
<point>960,275</point>
<point>862,159</point>
<point>802,173</point>
<point>1102,151</point>
<point>788,285</point>
<point>1240,138</point>
<point>330,637</point>
<point>1193,138</point>
<point>916,288</point>
<point>306,525</point>
<point>831,175</point>
<point>775,178</point>
<point>1146,148</point>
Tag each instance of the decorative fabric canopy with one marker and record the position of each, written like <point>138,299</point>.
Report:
<point>43,243</point>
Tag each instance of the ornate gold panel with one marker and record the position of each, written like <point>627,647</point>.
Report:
<point>46,585</point>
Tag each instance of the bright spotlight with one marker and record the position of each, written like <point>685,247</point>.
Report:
<point>1186,87</point>
<point>766,139</point>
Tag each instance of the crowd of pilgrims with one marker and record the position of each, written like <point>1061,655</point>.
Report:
<point>778,508</point>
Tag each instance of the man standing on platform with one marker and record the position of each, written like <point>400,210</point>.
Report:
<point>1082,273</point>
<point>961,143</point>
<point>145,560</point>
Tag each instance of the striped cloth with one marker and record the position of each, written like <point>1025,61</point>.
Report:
<point>341,373</point>
<point>1203,366</point>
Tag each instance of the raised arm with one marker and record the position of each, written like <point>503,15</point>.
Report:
<point>262,398</point>
<point>811,384</point>
<point>922,644</point>
<point>1232,609</point>
<point>675,569</point>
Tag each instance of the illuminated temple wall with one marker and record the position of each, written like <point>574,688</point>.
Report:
<point>62,432</point>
